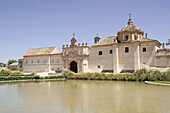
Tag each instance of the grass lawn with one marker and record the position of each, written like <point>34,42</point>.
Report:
<point>163,82</point>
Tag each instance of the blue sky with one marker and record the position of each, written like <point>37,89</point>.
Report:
<point>26,24</point>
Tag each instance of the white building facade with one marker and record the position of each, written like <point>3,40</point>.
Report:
<point>126,52</point>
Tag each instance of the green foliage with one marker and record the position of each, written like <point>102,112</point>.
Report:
<point>5,72</point>
<point>37,77</point>
<point>53,77</point>
<point>11,61</point>
<point>8,75</point>
<point>139,75</point>
<point>98,76</point>
<point>152,75</point>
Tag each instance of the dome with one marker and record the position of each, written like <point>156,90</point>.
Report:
<point>130,28</point>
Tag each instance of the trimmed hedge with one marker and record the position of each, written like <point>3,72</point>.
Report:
<point>139,75</point>
<point>99,76</point>
<point>5,78</point>
<point>8,75</point>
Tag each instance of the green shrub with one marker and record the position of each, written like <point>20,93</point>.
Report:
<point>5,72</point>
<point>139,75</point>
<point>37,77</point>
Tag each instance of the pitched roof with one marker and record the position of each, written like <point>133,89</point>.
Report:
<point>41,51</point>
<point>106,41</point>
<point>14,64</point>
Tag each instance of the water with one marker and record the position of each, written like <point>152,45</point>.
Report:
<point>79,96</point>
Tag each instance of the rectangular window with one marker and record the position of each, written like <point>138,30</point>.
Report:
<point>57,60</point>
<point>111,51</point>
<point>100,53</point>
<point>144,49</point>
<point>45,61</point>
<point>52,60</point>
<point>126,49</point>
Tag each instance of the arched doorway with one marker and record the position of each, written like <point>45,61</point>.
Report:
<point>73,66</point>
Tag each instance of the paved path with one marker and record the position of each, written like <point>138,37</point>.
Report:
<point>157,83</point>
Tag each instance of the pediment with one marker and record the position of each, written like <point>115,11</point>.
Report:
<point>72,54</point>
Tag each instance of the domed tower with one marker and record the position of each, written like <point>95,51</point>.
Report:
<point>130,32</point>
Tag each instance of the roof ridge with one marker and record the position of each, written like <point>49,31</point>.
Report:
<point>43,47</point>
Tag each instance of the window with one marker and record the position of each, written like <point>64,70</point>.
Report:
<point>52,60</point>
<point>98,66</point>
<point>100,53</point>
<point>38,61</point>
<point>127,37</point>
<point>111,51</point>
<point>126,49</point>
<point>45,61</point>
<point>144,49</point>
<point>136,37</point>
<point>32,61</point>
<point>26,61</point>
<point>57,60</point>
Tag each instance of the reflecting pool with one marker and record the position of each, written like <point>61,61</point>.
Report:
<point>80,96</point>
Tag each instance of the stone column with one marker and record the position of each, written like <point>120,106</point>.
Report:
<point>49,64</point>
<point>66,64</point>
<point>136,57</point>
<point>82,66</point>
<point>116,60</point>
<point>129,37</point>
<point>78,66</point>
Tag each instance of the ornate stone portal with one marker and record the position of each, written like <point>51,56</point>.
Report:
<point>75,58</point>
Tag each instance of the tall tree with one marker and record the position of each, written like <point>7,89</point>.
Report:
<point>11,61</point>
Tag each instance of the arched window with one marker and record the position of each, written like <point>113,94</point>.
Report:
<point>38,61</point>
<point>127,37</point>
<point>32,61</point>
<point>111,51</point>
<point>136,37</point>
<point>26,61</point>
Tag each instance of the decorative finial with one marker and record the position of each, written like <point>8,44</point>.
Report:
<point>129,15</point>
<point>163,46</point>
<point>146,35</point>
<point>73,35</point>
<point>97,34</point>
<point>130,20</point>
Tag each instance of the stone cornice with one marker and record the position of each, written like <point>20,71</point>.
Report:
<point>42,55</point>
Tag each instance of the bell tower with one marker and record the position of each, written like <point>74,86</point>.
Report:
<point>96,39</point>
<point>73,41</point>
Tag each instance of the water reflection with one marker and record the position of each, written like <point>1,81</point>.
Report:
<point>73,96</point>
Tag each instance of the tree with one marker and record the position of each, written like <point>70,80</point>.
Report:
<point>11,61</point>
<point>168,43</point>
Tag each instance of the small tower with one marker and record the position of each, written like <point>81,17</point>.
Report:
<point>146,35</point>
<point>96,39</point>
<point>73,41</point>
<point>163,46</point>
